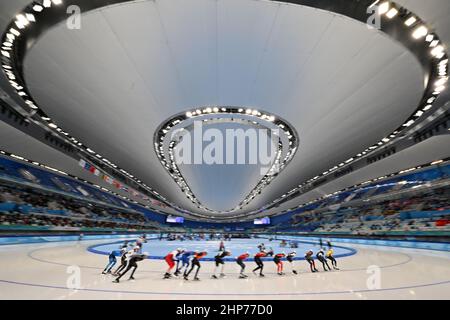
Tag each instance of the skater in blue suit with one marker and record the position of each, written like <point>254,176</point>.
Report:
<point>112,260</point>
<point>185,261</point>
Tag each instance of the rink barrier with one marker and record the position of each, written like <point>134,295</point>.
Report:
<point>410,244</point>
<point>93,249</point>
<point>10,240</point>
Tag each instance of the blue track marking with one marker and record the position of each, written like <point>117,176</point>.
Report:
<point>159,249</point>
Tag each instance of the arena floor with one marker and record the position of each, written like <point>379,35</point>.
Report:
<point>44,271</point>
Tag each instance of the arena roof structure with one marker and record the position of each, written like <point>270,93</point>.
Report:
<point>341,81</point>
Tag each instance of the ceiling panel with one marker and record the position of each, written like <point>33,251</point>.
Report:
<point>131,66</point>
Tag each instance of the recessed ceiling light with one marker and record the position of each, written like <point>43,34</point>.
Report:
<point>420,32</point>
<point>434,43</point>
<point>20,25</point>
<point>438,51</point>
<point>30,17</point>
<point>383,8</point>
<point>38,8</point>
<point>392,13</point>
<point>409,123</point>
<point>14,32</point>
<point>410,21</point>
<point>21,18</point>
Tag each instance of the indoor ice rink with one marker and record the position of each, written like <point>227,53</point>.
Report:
<point>40,272</point>
<point>224,150</point>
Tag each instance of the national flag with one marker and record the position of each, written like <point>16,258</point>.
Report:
<point>82,163</point>
<point>117,184</point>
<point>108,179</point>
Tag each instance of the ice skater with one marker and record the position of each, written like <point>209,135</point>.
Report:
<point>133,259</point>
<point>329,256</point>
<point>222,246</point>
<point>123,260</point>
<point>195,263</point>
<point>111,261</point>
<point>140,241</point>
<point>170,259</point>
<point>240,261</point>
<point>178,260</point>
<point>278,261</point>
<point>259,264</point>
<point>310,259</point>
<point>185,262</point>
<point>321,257</point>
<point>290,258</point>
<point>219,260</point>
<point>125,245</point>
<point>261,247</point>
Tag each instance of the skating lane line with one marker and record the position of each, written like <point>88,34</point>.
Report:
<point>30,254</point>
<point>228,294</point>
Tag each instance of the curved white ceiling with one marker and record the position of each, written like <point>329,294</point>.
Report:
<point>131,66</point>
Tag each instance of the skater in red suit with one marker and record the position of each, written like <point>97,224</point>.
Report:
<point>277,259</point>
<point>310,259</point>
<point>170,259</point>
<point>240,261</point>
<point>259,264</point>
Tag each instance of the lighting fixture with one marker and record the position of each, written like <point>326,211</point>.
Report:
<point>420,32</point>
<point>410,21</point>
<point>392,13</point>
<point>383,8</point>
<point>38,8</point>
